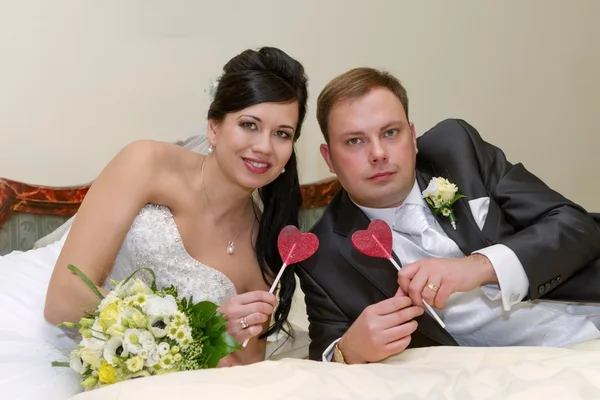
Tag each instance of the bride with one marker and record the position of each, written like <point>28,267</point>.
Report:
<point>188,216</point>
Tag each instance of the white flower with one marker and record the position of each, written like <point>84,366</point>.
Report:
<point>138,299</point>
<point>440,190</point>
<point>153,357</point>
<point>156,306</point>
<point>138,341</point>
<point>167,361</point>
<point>440,194</point>
<point>212,88</point>
<point>76,363</point>
<point>182,335</point>
<point>163,348</point>
<point>91,352</point>
<point>179,319</point>
<point>432,188</point>
<point>147,342</point>
<point>114,348</point>
<point>131,342</point>
<point>158,326</point>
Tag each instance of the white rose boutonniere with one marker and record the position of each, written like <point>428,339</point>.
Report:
<point>440,194</point>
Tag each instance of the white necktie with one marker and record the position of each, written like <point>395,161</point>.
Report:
<point>412,220</point>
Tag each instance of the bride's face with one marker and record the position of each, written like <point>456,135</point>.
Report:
<point>253,146</point>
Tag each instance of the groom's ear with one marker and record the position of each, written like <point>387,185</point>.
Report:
<point>327,157</point>
<point>414,136</point>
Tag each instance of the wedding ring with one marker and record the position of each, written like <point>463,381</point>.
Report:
<point>433,287</point>
<point>244,323</point>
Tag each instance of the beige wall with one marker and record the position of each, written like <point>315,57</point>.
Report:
<point>524,72</point>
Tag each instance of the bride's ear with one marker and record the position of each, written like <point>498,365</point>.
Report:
<point>211,131</point>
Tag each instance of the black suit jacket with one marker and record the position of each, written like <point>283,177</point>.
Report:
<point>554,238</point>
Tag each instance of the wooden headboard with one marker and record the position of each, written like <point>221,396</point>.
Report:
<point>65,201</point>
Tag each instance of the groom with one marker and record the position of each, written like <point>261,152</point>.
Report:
<point>516,240</point>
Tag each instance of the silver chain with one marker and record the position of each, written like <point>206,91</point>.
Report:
<point>230,242</point>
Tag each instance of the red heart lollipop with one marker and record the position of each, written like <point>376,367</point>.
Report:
<point>375,241</point>
<point>295,246</point>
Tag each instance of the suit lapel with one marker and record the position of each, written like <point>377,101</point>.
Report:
<point>379,271</point>
<point>467,235</point>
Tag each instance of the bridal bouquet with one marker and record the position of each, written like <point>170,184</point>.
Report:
<point>138,330</point>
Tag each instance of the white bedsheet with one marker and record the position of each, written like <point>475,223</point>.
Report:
<point>434,373</point>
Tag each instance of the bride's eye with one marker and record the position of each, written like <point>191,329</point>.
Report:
<point>249,125</point>
<point>283,134</point>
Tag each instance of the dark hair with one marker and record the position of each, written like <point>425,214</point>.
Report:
<point>353,84</point>
<point>254,77</point>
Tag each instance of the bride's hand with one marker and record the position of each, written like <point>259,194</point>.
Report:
<point>246,313</point>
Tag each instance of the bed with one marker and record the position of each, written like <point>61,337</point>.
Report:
<point>33,216</point>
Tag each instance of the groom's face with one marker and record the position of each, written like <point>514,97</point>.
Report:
<point>372,149</point>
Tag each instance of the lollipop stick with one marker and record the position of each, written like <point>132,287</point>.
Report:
<point>273,286</point>
<point>277,278</point>
<point>433,314</point>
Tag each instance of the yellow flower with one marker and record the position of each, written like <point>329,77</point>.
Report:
<point>116,330</point>
<point>139,287</point>
<point>138,319</point>
<point>135,364</point>
<point>109,315</point>
<point>107,373</point>
<point>446,189</point>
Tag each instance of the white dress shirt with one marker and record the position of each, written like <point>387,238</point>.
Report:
<point>493,315</point>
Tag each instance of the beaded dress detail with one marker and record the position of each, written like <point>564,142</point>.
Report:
<point>153,241</point>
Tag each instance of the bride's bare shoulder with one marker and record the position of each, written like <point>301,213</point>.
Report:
<point>159,156</point>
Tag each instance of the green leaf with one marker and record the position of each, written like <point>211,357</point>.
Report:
<point>86,280</point>
<point>210,327</point>
<point>456,197</point>
<point>152,285</point>
<point>221,346</point>
<point>212,357</point>
<point>60,364</point>
<point>70,325</point>
<point>227,343</point>
<point>202,312</point>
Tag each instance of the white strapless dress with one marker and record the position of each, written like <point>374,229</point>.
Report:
<point>28,344</point>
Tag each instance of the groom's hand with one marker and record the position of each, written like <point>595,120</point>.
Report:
<point>435,279</point>
<point>382,329</point>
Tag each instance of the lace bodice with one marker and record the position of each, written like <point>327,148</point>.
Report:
<point>154,242</point>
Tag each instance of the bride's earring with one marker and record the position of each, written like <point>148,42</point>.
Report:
<point>283,170</point>
<point>210,149</point>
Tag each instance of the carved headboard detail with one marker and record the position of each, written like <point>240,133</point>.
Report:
<point>65,201</point>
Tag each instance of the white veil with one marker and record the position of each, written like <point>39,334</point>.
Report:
<point>198,142</point>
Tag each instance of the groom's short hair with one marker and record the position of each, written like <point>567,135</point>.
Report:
<point>353,84</point>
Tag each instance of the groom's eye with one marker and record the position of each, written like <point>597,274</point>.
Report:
<point>391,132</point>
<point>353,141</point>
